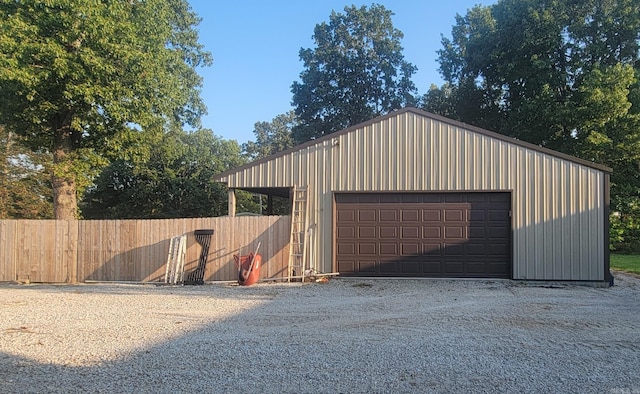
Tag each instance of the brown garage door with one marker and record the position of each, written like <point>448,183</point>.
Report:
<point>424,235</point>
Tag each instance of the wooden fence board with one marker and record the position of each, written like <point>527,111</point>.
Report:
<point>135,250</point>
<point>8,267</point>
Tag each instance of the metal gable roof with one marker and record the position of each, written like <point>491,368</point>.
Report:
<point>222,176</point>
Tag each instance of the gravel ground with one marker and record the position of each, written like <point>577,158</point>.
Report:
<point>345,336</point>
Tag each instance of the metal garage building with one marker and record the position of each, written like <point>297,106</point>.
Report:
<point>416,194</point>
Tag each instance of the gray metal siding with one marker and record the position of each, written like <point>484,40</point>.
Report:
<point>557,208</point>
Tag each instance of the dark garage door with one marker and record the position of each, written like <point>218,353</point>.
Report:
<point>424,235</point>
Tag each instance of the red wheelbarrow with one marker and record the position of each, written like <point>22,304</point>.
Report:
<point>248,267</point>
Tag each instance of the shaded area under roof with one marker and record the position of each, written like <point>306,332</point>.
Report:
<point>282,192</point>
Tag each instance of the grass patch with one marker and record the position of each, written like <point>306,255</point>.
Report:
<point>626,262</point>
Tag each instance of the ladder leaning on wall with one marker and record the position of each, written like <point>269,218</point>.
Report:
<point>298,240</point>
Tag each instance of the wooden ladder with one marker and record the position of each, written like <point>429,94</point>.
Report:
<point>297,242</point>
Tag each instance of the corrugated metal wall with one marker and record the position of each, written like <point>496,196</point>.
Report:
<point>557,208</point>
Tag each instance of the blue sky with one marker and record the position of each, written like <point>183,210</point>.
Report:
<point>255,47</point>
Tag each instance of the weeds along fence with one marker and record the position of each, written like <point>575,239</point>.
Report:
<point>70,251</point>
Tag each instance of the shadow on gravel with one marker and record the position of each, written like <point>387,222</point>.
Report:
<point>369,336</point>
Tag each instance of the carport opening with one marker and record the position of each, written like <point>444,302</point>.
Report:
<point>263,201</point>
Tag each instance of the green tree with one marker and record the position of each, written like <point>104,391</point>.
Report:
<point>271,137</point>
<point>80,77</point>
<point>442,101</point>
<point>174,180</point>
<point>355,72</point>
<point>564,75</point>
<point>517,66</point>
<point>25,192</point>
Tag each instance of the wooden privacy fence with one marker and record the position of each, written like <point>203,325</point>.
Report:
<point>68,251</point>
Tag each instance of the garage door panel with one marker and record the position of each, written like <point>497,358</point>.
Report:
<point>389,198</point>
<point>432,215</point>
<point>497,216</point>
<point>432,268</point>
<point>429,234</point>
<point>367,266</point>
<point>410,267</point>
<point>367,215</point>
<point>367,249</point>
<point>496,249</point>
<point>389,267</point>
<point>453,232</point>
<point>346,232</point>
<point>346,215</point>
<point>365,232</point>
<point>346,248</point>
<point>454,249</point>
<point>477,197</point>
<point>388,249</point>
<point>496,269</point>
<point>389,215</point>
<point>494,232</point>
<point>410,198</point>
<point>411,232</point>
<point>476,249</point>
<point>432,249</point>
<point>474,267</point>
<point>410,249</point>
<point>453,215</point>
<point>347,266</point>
<point>476,215</point>
<point>504,198</point>
<point>368,198</point>
<point>453,197</point>
<point>435,198</point>
<point>474,232</point>
<point>389,232</point>
<point>410,215</point>
<point>453,267</point>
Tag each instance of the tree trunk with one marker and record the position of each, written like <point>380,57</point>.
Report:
<point>64,198</point>
<point>65,204</point>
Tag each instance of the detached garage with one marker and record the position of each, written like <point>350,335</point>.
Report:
<point>412,194</point>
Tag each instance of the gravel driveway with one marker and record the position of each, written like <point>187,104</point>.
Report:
<point>345,336</point>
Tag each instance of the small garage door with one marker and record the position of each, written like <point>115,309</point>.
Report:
<point>424,235</point>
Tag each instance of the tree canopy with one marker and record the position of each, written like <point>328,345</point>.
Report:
<point>174,180</point>
<point>521,67</point>
<point>25,192</point>
<point>271,137</point>
<point>81,79</point>
<point>559,74</point>
<point>355,72</point>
